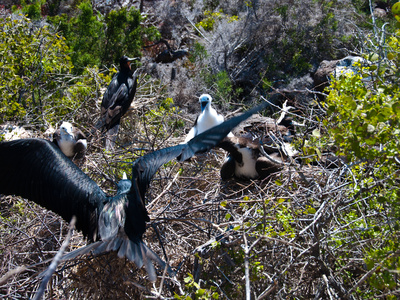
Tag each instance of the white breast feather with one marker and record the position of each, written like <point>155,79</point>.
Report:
<point>208,119</point>
<point>248,168</point>
<point>67,146</point>
<point>66,142</point>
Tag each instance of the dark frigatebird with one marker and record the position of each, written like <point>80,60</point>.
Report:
<point>116,100</point>
<point>70,140</point>
<point>37,170</point>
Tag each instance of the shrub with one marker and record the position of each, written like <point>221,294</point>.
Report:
<point>32,62</point>
<point>95,40</point>
<point>362,123</point>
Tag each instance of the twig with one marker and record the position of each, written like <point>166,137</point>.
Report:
<point>194,26</point>
<point>152,203</point>
<point>11,273</point>
<point>52,268</point>
<point>247,250</point>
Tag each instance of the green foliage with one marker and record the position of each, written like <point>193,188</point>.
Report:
<point>199,53</point>
<point>302,40</point>
<point>210,18</point>
<point>282,10</point>
<point>125,35</point>
<point>31,61</point>
<point>222,86</point>
<point>161,121</point>
<point>96,41</point>
<point>30,8</point>
<point>194,289</point>
<point>84,35</point>
<point>362,124</point>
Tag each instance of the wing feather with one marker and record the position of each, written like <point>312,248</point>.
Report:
<point>144,168</point>
<point>37,170</point>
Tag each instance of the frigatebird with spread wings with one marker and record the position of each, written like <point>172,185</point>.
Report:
<point>37,170</point>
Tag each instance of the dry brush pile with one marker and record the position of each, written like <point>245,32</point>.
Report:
<point>281,237</point>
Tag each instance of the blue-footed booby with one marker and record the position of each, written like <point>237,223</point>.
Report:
<point>37,170</point>
<point>207,119</point>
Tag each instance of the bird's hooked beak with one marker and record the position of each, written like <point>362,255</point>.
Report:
<point>129,60</point>
<point>64,131</point>
<point>204,100</point>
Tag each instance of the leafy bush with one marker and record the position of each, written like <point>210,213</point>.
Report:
<point>362,124</point>
<point>84,35</point>
<point>33,62</point>
<point>125,34</point>
<point>32,9</point>
<point>95,40</point>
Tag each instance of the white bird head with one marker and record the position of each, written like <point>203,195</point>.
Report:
<point>204,100</point>
<point>66,129</point>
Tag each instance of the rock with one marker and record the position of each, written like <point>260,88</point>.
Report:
<point>335,67</point>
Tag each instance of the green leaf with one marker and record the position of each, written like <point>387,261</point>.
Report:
<point>311,210</point>
<point>188,279</point>
<point>316,133</point>
<point>215,295</point>
<point>200,292</point>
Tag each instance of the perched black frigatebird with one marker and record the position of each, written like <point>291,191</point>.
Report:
<point>116,100</point>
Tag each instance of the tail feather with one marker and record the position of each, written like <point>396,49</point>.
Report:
<point>129,250</point>
<point>81,251</point>
<point>137,254</point>
<point>136,251</point>
<point>148,265</point>
<point>114,244</point>
<point>101,248</point>
<point>111,137</point>
<point>123,248</point>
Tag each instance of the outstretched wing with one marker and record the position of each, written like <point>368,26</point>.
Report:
<point>146,166</point>
<point>123,220</point>
<point>211,138</point>
<point>37,170</point>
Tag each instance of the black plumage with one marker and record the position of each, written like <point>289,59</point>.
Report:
<point>169,55</point>
<point>37,170</point>
<point>116,100</point>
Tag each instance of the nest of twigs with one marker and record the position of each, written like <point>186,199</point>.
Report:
<point>262,239</point>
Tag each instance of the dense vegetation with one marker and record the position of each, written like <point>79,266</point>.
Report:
<point>308,232</point>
